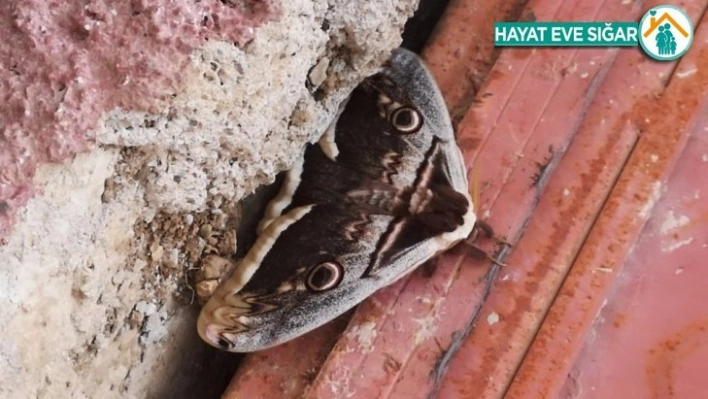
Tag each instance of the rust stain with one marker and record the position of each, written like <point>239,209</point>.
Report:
<point>521,53</point>
<point>620,320</point>
<point>662,120</point>
<point>588,181</point>
<point>522,304</point>
<point>528,16</point>
<point>495,74</point>
<point>666,354</point>
<point>469,144</point>
<point>700,220</point>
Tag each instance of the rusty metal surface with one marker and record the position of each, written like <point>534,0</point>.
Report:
<point>285,371</point>
<point>461,53</point>
<point>540,261</point>
<point>650,340</point>
<point>665,121</point>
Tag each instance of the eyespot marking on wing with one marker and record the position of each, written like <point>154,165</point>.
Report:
<point>406,120</point>
<point>324,276</point>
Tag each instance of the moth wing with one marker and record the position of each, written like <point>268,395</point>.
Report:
<point>384,190</point>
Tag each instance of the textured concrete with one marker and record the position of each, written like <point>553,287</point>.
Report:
<point>92,284</point>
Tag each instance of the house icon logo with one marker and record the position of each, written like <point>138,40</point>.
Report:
<point>666,33</point>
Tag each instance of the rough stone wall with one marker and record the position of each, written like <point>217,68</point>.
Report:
<point>137,176</point>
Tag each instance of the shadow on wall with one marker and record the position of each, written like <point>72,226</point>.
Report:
<point>198,372</point>
<point>419,28</point>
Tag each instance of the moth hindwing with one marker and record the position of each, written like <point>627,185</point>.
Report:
<point>383,191</point>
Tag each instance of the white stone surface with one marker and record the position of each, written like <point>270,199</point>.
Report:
<point>89,276</point>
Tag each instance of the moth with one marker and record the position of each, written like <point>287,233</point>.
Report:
<point>383,191</point>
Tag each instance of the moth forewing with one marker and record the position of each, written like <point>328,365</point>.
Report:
<point>223,309</point>
<point>383,191</point>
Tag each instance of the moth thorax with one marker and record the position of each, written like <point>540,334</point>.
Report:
<point>419,200</point>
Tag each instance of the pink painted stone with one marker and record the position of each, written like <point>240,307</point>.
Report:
<point>63,63</point>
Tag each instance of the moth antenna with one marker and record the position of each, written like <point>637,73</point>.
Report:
<point>482,254</point>
<point>475,178</point>
<point>475,193</point>
<point>475,188</point>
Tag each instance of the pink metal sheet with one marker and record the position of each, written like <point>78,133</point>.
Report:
<point>665,121</point>
<point>516,306</point>
<point>651,338</point>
